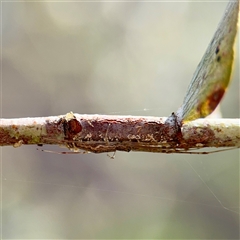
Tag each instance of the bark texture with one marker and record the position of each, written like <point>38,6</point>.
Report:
<point>106,133</point>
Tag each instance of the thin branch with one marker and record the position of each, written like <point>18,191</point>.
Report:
<point>106,133</point>
<point>99,133</point>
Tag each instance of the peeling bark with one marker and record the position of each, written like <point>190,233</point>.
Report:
<point>106,133</point>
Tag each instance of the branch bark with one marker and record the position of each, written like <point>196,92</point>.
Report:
<point>106,133</point>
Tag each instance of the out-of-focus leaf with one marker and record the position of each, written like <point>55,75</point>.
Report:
<point>213,73</point>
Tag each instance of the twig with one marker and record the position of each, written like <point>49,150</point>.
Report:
<point>106,133</point>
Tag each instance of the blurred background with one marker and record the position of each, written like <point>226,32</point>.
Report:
<point>124,58</point>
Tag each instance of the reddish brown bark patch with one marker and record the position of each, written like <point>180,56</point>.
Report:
<point>71,128</point>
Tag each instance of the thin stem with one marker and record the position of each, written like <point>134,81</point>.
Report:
<point>106,133</point>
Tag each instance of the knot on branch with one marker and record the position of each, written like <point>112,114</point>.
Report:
<point>71,126</point>
<point>172,128</point>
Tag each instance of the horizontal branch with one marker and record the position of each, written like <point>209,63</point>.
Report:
<point>105,133</point>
